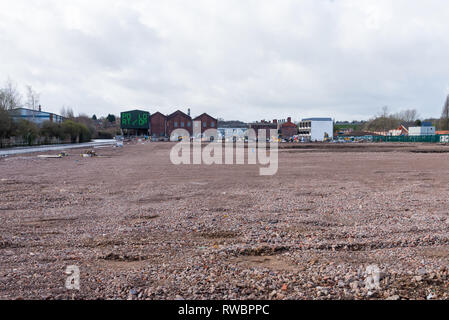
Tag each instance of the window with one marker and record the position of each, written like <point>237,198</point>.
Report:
<point>204,124</point>
<point>182,124</point>
<point>212,124</point>
<point>189,124</point>
<point>176,124</point>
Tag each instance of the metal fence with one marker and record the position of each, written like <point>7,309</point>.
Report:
<point>427,139</point>
<point>19,142</point>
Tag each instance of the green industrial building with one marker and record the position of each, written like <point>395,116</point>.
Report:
<point>135,122</point>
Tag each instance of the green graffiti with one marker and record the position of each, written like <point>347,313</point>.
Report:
<point>135,120</point>
<point>126,119</point>
<point>143,119</point>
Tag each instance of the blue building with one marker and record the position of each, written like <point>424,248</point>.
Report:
<point>36,116</point>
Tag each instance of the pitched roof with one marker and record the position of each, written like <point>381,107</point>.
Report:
<point>204,114</point>
<point>178,112</point>
<point>288,124</point>
<point>158,113</point>
<point>34,111</point>
<point>317,119</point>
<point>134,110</point>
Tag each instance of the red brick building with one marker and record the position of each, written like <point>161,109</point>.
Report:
<point>288,129</point>
<point>158,125</point>
<point>264,125</point>
<point>179,120</point>
<point>207,122</point>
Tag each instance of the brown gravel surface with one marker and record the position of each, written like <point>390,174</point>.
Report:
<point>139,227</point>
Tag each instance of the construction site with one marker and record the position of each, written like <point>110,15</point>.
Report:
<point>139,227</point>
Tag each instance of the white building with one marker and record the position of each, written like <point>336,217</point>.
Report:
<point>425,130</point>
<point>230,133</point>
<point>316,129</point>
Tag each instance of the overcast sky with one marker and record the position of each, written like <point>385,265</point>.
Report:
<point>246,60</point>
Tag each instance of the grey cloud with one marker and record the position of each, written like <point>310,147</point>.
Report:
<point>235,59</point>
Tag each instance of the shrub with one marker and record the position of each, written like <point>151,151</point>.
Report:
<point>5,123</point>
<point>52,130</point>
<point>77,132</point>
<point>84,133</point>
<point>103,134</point>
<point>88,122</point>
<point>27,130</point>
<point>70,129</point>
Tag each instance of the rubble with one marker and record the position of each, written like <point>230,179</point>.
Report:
<point>89,153</point>
<point>137,227</point>
<point>49,156</point>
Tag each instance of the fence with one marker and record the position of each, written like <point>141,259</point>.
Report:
<point>19,142</point>
<point>427,139</point>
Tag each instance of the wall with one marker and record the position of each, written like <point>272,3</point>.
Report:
<point>157,122</point>
<point>288,130</point>
<point>207,122</point>
<point>421,131</point>
<point>319,128</point>
<point>179,119</point>
<point>268,126</point>
<point>37,117</point>
<point>135,119</point>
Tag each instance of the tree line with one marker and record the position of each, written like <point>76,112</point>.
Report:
<point>385,120</point>
<point>73,129</point>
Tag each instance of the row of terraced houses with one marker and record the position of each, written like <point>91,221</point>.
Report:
<point>161,126</point>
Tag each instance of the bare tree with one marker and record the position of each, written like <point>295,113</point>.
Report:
<point>67,112</point>
<point>3,100</point>
<point>32,98</point>
<point>444,120</point>
<point>384,118</point>
<point>407,116</point>
<point>385,121</point>
<point>385,112</point>
<point>10,97</point>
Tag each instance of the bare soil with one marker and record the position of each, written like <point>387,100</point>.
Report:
<point>139,227</point>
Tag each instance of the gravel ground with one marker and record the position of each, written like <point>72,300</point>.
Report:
<point>139,227</point>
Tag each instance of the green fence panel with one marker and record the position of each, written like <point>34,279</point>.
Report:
<point>425,139</point>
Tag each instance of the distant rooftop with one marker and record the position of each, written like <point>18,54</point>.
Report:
<point>317,119</point>
<point>14,111</point>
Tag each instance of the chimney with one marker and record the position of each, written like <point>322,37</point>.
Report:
<point>289,119</point>
<point>188,112</point>
<point>40,108</point>
<point>275,121</point>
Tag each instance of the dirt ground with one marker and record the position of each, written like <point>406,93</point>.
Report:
<point>139,227</point>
